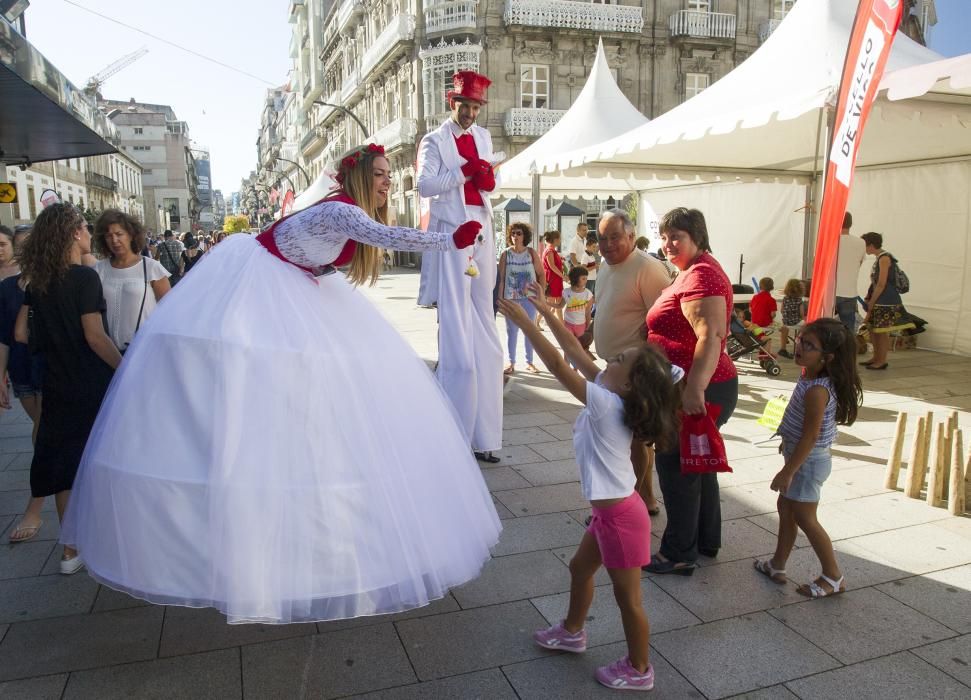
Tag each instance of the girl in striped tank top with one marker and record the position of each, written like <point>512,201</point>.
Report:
<point>827,394</point>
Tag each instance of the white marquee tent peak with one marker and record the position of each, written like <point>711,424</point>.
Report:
<point>600,112</point>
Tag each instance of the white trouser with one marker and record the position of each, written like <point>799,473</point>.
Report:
<point>469,351</point>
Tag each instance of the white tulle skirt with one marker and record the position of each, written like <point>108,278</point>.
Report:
<point>274,449</point>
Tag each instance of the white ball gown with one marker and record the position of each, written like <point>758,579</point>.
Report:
<point>271,446</point>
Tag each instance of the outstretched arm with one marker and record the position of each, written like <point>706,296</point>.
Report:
<point>342,221</point>
<point>551,357</point>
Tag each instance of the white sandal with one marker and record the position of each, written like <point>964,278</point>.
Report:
<point>764,567</point>
<point>814,590</point>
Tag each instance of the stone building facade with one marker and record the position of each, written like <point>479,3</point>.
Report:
<point>378,69</point>
<point>156,139</point>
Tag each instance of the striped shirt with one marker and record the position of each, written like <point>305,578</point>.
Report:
<point>791,428</point>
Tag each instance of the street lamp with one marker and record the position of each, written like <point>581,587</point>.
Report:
<point>302,171</point>
<point>349,113</point>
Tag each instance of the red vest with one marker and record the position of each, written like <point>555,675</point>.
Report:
<point>466,145</point>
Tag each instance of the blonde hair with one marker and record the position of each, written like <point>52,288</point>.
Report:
<point>355,175</point>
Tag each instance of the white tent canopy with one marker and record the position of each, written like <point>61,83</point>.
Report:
<point>765,118</point>
<point>600,112</point>
<point>765,124</point>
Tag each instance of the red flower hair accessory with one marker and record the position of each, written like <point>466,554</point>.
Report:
<point>349,162</point>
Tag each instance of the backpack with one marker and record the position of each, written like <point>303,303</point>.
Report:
<point>899,278</point>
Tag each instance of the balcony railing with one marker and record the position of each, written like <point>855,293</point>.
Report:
<point>570,14</point>
<point>708,25</point>
<point>531,122</point>
<point>349,10</point>
<point>308,139</point>
<point>767,27</point>
<point>433,121</point>
<point>450,15</point>
<point>400,28</point>
<point>100,181</point>
<point>400,132</point>
<point>351,85</point>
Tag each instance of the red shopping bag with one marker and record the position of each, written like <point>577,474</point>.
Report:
<point>702,446</point>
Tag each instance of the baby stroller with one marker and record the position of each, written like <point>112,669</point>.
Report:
<point>744,342</point>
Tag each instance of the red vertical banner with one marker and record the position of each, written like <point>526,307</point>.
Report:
<point>287,205</point>
<point>866,55</point>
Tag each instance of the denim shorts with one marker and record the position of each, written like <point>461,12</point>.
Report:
<point>808,481</point>
<point>22,390</point>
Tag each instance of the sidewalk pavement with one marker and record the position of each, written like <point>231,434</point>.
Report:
<point>903,629</point>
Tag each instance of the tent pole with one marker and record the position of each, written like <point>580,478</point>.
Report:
<point>809,235</point>
<point>534,213</point>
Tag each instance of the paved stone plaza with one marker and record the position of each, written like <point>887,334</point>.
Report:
<point>903,629</point>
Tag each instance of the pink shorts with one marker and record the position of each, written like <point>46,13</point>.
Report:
<point>623,533</point>
<point>576,329</point>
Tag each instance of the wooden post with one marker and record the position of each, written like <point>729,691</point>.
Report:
<point>935,468</point>
<point>925,454</point>
<point>955,503</point>
<point>896,452</point>
<point>949,430</point>
<point>915,475</point>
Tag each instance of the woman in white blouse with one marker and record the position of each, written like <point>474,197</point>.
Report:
<point>133,284</point>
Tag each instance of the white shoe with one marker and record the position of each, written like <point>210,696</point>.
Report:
<point>72,565</point>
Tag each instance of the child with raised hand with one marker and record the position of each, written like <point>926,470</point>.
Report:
<point>636,395</point>
<point>577,302</point>
<point>828,393</point>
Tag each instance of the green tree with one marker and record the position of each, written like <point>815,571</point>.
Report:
<point>235,224</point>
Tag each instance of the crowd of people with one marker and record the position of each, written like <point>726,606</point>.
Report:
<point>290,403</point>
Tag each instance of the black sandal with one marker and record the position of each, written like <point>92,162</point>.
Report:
<point>486,457</point>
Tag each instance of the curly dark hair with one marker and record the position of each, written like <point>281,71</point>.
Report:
<point>651,406</point>
<point>691,221</point>
<point>526,229</point>
<point>115,216</point>
<point>45,256</point>
<point>838,346</point>
<point>576,272</point>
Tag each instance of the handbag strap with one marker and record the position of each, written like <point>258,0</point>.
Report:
<point>138,324</point>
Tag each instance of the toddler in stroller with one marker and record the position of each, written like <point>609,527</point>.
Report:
<point>746,339</point>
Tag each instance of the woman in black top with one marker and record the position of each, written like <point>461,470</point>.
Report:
<point>64,312</point>
<point>191,255</point>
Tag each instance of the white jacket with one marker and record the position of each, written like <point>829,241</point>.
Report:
<point>441,181</point>
<point>440,175</point>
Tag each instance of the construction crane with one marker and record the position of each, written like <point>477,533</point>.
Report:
<point>97,80</point>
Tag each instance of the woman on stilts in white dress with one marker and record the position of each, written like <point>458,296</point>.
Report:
<point>271,446</point>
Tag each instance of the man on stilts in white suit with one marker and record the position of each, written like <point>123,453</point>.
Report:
<point>455,172</point>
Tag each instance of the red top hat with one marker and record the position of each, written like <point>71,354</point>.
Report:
<point>469,85</point>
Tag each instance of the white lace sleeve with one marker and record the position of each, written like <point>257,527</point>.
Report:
<point>316,235</point>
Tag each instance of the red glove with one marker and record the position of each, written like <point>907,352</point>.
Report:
<point>466,234</point>
<point>485,180</point>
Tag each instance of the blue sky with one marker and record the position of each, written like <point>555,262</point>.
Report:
<point>951,36</point>
<point>222,106</point>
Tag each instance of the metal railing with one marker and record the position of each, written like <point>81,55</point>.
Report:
<point>710,25</point>
<point>767,27</point>
<point>570,14</point>
<point>521,121</point>
<point>100,181</point>
<point>450,15</point>
<point>400,132</point>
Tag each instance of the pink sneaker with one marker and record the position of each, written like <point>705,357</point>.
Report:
<point>556,637</point>
<point>620,675</point>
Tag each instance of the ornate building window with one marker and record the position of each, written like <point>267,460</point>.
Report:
<point>695,83</point>
<point>780,8</point>
<point>534,86</point>
<point>438,64</point>
<point>699,5</point>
